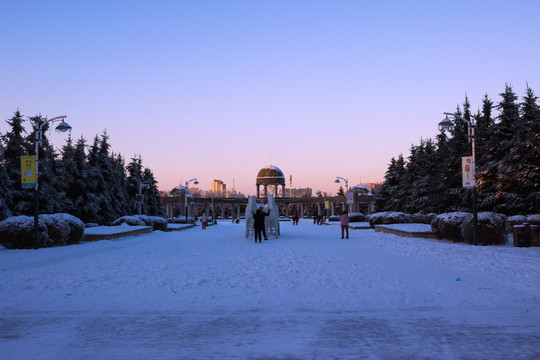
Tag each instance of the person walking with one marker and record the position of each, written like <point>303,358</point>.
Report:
<point>344,219</point>
<point>204,221</point>
<point>258,225</point>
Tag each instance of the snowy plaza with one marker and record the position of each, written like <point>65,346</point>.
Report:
<point>214,294</point>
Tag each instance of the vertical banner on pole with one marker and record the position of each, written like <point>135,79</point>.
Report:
<point>467,171</point>
<point>28,172</point>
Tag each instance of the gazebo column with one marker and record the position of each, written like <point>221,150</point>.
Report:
<point>222,205</point>
<point>301,210</point>
<point>238,211</point>
<point>319,209</point>
<point>265,190</point>
<point>258,186</point>
<point>333,209</point>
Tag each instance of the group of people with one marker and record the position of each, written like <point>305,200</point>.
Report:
<point>259,227</point>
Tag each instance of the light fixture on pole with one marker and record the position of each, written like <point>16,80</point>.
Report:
<point>140,197</point>
<point>338,179</point>
<point>195,182</point>
<point>38,137</point>
<point>448,123</point>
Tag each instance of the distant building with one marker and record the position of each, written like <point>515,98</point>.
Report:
<point>218,186</point>
<point>373,187</point>
<point>301,192</point>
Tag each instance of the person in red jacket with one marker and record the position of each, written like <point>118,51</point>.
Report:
<point>344,219</point>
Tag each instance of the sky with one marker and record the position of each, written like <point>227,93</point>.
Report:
<point>221,89</point>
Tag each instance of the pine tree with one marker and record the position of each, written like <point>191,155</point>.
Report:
<point>151,193</point>
<point>134,182</point>
<point>15,145</point>
<point>50,200</point>
<point>5,191</point>
<point>341,191</point>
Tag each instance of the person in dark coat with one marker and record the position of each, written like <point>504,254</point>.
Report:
<point>258,226</point>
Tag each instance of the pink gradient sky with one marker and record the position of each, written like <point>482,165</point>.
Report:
<point>209,89</point>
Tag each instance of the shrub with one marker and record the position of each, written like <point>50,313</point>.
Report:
<point>357,217</point>
<point>54,230</point>
<point>129,220</point>
<point>515,220</point>
<point>17,232</point>
<point>389,217</point>
<point>421,218</point>
<point>156,222</point>
<point>57,228</point>
<point>448,225</point>
<point>182,220</point>
<point>491,228</point>
<point>534,219</point>
<point>76,227</point>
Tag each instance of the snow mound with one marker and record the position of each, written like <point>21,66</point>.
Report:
<point>156,222</point>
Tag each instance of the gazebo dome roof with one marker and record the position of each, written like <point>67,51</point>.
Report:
<point>270,175</point>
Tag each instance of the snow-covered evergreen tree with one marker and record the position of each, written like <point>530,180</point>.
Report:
<point>15,145</point>
<point>134,181</point>
<point>151,193</point>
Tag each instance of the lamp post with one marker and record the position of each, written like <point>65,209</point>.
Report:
<point>338,179</point>
<point>139,197</point>
<point>448,124</point>
<point>195,182</point>
<point>38,137</point>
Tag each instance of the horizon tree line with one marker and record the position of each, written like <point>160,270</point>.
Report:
<point>87,181</point>
<point>507,163</point>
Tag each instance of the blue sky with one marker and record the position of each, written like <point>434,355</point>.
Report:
<point>209,89</point>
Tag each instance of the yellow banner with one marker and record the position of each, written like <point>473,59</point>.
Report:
<point>28,171</point>
<point>327,204</point>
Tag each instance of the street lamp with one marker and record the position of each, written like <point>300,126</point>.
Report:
<point>195,182</point>
<point>38,138</point>
<point>140,197</point>
<point>338,179</point>
<point>448,124</point>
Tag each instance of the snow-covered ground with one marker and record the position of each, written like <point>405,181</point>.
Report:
<point>213,294</point>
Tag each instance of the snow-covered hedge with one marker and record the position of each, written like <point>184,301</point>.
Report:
<point>64,229</point>
<point>421,218</point>
<point>457,226</point>
<point>533,219</point>
<point>54,230</point>
<point>333,218</point>
<point>389,217</point>
<point>356,217</point>
<point>448,225</point>
<point>156,222</point>
<point>182,220</point>
<point>491,228</point>
<point>516,220</point>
